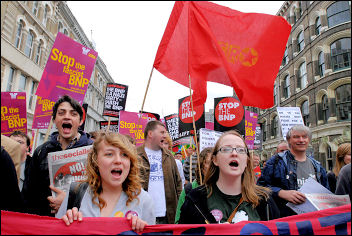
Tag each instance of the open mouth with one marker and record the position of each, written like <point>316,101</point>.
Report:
<point>66,127</point>
<point>116,172</point>
<point>234,163</point>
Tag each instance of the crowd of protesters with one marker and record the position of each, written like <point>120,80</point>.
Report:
<point>150,185</point>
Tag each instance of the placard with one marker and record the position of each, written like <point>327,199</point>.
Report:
<point>132,124</point>
<point>115,99</point>
<point>289,117</point>
<point>208,138</point>
<point>250,127</point>
<point>171,122</point>
<point>114,126</point>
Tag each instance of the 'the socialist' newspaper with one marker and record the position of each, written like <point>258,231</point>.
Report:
<point>67,166</point>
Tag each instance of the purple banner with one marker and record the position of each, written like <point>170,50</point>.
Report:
<point>250,126</point>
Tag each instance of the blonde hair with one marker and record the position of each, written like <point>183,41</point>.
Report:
<point>131,186</point>
<point>251,192</point>
<point>341,152</point>
<point>169,141</point>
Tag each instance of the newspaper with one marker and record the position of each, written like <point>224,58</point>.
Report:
<point>67,166</point>
<point>325,200</point>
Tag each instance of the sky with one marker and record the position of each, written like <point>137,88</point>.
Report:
<point>127,36</point>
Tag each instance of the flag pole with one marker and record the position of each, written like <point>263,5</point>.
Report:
<point>48,130</point>
<point>195,132</point>
<point>145,96</point>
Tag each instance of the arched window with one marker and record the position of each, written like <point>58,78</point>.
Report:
<point>274,127</point>
<point>45,16</point>
<point>18,34</point>
<point>299,9</point>
<point>300,41</point>
<point>303,75</point>
<point>325,107</point>
<point>341,54</point>
<point>275,94</point>
<point>338,12</point>
<point>343,102</point>
<point>35,8</point>
<point>10,80</point>
<point>329,158</point>
<point>287,86</point>
<point>263,128</point>
<point>60,27</point>
<point>305,112</point>
<point>29,44</point>
<point>65,32</point>
<point>321,63</point>
<point>22,83</point>
<point>285,59</point>
<point>317,26</point>
<point>32,94</point>
<point>294,16</point>
<point>39,50</point>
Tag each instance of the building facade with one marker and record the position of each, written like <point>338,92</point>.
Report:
<point>28,31</point>
<point>315,75</point>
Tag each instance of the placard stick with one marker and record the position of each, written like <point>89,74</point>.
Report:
<point>195,132</point>
<point>35,141</point>
<point>48,130</point>
<point>108,128</point>
<point>145,95</point>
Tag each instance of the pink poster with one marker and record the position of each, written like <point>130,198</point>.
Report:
<point>67,71</point>
<point>130,124</point>
<point>250,126</point>
<point>13,112</point>
<point>209,125</point>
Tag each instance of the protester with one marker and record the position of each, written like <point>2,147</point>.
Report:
<point>159,173</point>
<point>25,143</point>
<point>283,146</point>
<point>67,116</point>
<point>178,156</point>
<point>10,198</point>
<point>13,148</point>
<point>93,135</point>
<point>256,166</point>
<point>113,187</point>
<point>189,170</point>
<point>343,157</point>
<point>287,171</point>
<point>343,185</point>
<point>204,161</point>
<point>230,193</point>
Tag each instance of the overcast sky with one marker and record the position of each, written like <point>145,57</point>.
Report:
<point>127,36</point>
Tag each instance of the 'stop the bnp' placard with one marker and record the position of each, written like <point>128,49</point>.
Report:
<point>115,99</point>
<point>67,71</point>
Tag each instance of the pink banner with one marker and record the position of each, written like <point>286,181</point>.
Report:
<point>209,125</point>
<point>67,71</point>
<point>250,126</point>
<point>13,112</point>
<point>333,221</point>
<point>131,124</point>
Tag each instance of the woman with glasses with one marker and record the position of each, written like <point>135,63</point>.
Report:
<point>229,193</point>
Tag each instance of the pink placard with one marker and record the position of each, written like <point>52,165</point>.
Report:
<point>130,124</point>
<point>209,125</point>
<point>13,112</point>
<point>67,71</point>
<point>250,126</point>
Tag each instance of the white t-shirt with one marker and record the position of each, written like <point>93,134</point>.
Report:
<point>156,187</point>
<point>180,171</point>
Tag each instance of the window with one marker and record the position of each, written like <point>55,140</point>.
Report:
<point>60,27</point>
<point>287,87</point>
<point>35,8</point>
<point>294,16</point>
<point>22,85</point>
<point>285,59</point>
<point>317,26</point>
<point>299,9</point>
<point>325,108</point>
<point>39,50</point>
<point>338,12</point>
<point>303,75</point>
<point>341,54</point>
<point>263,128</point>
<point>329,159</point>
<point>274,127</point>
<point>32,94</point>
<point>29,44</point>
<point>343,102</point>
<point>275,94</point>
<point>18,35</point>
<point>300,41</point>
<point>321,63</point>
<point>10,80</point>
<point>305,113</point>
<point>45,16</point>
<point>65,32</point>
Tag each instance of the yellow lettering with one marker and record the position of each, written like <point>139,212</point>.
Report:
<point>54,54</point>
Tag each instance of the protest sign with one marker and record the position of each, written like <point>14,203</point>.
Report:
<point>209,125</point>
<point>67,166</point>
<point>114,126</point>
<point>324,201</point>
<point>171,122</point>
<point>208,138</point>
<point>333,221</point>
<point>13,112</point>
<point>115,99</point>
<point>250,127</point>
<point>132,124</point>
<point>228,115</point>
<point>67,71</point>
<point>151,116</point>
<point>186,118</point>
<point>289,116</point>
<point>258,141</point>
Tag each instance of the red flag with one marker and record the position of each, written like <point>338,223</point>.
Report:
<point>210,42</point>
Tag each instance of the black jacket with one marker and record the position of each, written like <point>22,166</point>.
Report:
<point>195,209</point>
<point>36,184</point>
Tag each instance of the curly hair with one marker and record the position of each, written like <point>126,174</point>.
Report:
<point>202,158</point>
<point>343,150</point>
<point>251,192</point>
<point>131,186</point>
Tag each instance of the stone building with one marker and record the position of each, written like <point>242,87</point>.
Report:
<point>315,75</point>
<point>28,31</point>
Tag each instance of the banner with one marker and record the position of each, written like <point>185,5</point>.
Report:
<point>85,109</point>
<point>151,116</point>
<point>128,125</point>
<point>250,127</point>
<point>208,138</point>
<point>13,112</point>
<point>67,166</point>
<point>333,221</point>
<point>67,71</point>
<point>114,125</point>
<point>186,118</point>
<point>228,115</point>
<point>258,141</point>
<point>289,116</point>
<point>115,99</point>
<point>171,122</point>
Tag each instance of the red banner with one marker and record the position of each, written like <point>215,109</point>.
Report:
<point>333,221</point>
